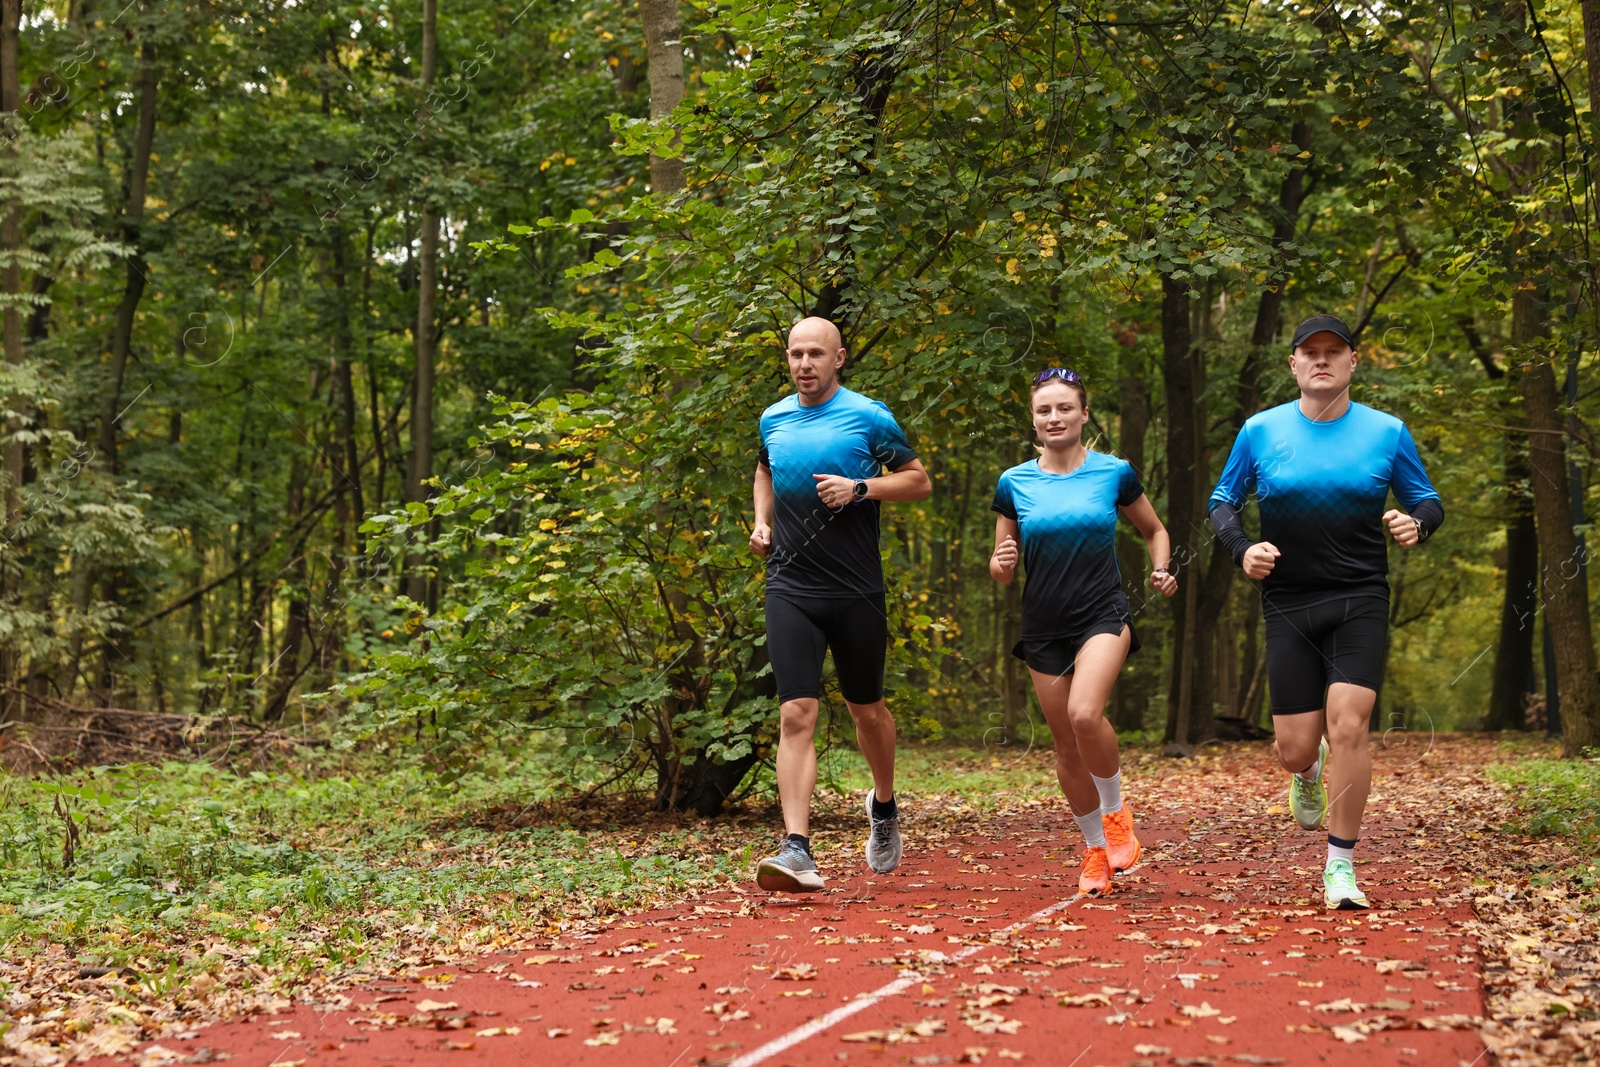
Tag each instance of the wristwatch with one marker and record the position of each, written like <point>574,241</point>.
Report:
<point>860,491</point>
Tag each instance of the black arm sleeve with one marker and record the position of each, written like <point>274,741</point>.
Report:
<point>1230,531</point>
<point>1429,514</point>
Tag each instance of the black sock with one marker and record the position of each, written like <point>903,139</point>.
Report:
<point>801,840</point>
<point>1340,842</point>
<point>883,809</point>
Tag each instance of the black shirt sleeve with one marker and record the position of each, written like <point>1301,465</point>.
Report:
<point>1429,514</point>
<point>1003,500</point>
<point>1230,531</point>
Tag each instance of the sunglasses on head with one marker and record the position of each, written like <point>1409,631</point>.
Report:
<point>1056,372</point>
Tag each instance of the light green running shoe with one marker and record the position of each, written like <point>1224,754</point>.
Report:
<point>1339,890</point>
<point>1308,801</point>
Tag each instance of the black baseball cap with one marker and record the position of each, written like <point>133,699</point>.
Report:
<point>1322,324</point>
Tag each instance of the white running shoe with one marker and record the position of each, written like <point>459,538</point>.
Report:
<point>883,843</point>
<point>1339,890</point>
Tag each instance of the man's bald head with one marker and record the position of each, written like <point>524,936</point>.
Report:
<point>818,329</point>
<point>815,354</point>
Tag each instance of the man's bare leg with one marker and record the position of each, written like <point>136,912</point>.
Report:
<point>792,870</point>
<point>1349,757</point>
<point>797,762</point>
<point>875,734</point>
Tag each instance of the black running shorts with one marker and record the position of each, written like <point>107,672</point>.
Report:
<point>1059,654</point>
<point>1345,640</point>
<point>801,629</point>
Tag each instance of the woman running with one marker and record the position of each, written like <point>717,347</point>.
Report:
<point>1077,627</point>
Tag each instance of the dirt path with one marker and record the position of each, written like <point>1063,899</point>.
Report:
<point>1217,950</point>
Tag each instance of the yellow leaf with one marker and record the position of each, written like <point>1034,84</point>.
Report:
<point>436,1005</point>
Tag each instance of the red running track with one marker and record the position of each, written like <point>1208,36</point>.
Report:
<point>975,950</point>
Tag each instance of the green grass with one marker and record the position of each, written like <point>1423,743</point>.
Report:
<point>975,775</point>
<point>350,861</point>
<point>305,868</point>
<point>1560,798</point>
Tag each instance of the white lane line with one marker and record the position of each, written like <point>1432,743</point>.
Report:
<point>899,985</point>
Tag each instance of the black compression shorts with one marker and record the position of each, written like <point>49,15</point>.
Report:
<point>1059,654</point>
<point>1344,640</point>
<point>801,629</point>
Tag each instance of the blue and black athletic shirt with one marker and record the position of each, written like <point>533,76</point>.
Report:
<point>818,551</point>
<point>1321,488</point>
<point>1068,524</point>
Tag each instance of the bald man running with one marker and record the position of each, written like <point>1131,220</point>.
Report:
<point>824,450</point>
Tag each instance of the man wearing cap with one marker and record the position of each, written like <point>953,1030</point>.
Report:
<point>1321,468</point>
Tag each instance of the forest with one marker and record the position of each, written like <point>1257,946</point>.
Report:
<point>389,375</point>
<point>382,388</point>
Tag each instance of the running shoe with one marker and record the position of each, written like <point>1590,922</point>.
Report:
<point>1122,845</point>
<point>883,843</point>
<point>792,870</point>
<point>1308,801</point>
<point>1094,875</point>
<point>1339,890</point>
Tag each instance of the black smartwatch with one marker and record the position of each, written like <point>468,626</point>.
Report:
<point>860,491</point>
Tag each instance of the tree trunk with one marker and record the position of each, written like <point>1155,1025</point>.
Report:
<point>1252,667</point>
<point>132,233</point>
<point>1131,697</point>
<point>1013,672</point>
<point>288,669</point>
<point>1216,582</point>
<point>297,626</point>
<point>1269,312</point>
<point>663,38</point>
<point>1191,710</point>
<point>370,370</point>
<point>1566,594</point>
<point>118,648</point>
<point>1185,425</point>
<point>1226,670</point>
<point>705,785</point>
<point>346,462</point>
<point>1513,654</point>
<point>417,583</point>
<point>11,287</point>
<point>39,321</point>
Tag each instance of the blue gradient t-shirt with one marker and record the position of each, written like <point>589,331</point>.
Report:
<point>1068,524</point>
<point>1321,488</point>
<point>818,551</point>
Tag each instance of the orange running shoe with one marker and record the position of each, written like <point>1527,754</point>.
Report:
<point>1122,846</point>
<point>1094,878</point>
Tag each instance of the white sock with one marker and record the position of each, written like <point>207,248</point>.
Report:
<point>1310,773</point>
<point>1094,832</point>
<point>1337,853</point>
<point>1110,790</point>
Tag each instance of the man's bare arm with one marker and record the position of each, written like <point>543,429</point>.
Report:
<point>910,482</point>
<point>765,501</point>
